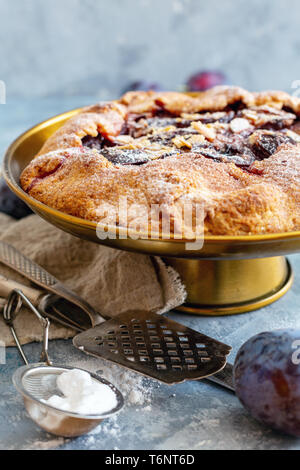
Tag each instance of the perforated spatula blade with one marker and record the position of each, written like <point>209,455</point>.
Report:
<point>155,346</point>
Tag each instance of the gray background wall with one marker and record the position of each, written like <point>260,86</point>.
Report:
<point>95,47</point>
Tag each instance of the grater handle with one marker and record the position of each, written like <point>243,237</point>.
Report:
<point>224,377</point>
<point>11,257</point>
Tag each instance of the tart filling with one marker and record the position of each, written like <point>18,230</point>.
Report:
<point>240,136</point>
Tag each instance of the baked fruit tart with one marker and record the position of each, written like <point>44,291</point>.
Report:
<point>233,153</point>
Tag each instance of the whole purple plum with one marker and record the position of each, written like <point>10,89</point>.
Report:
<point>267,379</point>
<point>202,81</point>
<point>10,204</point>
<point>143,85</point>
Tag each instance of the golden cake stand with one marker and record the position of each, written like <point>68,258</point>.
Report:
<point>228,275</point>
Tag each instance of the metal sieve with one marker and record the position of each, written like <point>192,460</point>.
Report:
<point>37,382</point>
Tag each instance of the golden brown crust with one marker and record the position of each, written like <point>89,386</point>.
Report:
<point>215,99</point>
<point>262,197</point>
<point>106,118</point>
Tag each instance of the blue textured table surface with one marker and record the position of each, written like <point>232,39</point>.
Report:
<point>192,415</point>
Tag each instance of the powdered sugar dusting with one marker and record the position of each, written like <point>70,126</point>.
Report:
<point>82,394</point>
<point>135,388</point>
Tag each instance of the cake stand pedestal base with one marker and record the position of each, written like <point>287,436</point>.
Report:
<point>228,287</point>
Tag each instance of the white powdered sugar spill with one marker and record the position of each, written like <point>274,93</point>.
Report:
<point>45,445</point>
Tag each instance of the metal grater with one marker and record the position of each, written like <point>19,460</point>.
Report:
<point>10,256</point>
<point>155,346</point>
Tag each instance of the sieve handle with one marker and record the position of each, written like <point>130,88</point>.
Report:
<point>10,312</point>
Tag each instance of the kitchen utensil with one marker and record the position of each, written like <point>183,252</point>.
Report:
<point>223,378</point>
<point>50,305</point>
<point>37,382</point>
<point>229,274</point>
<point>198,355</point>
<point>155,346</point>
<point>61,304</point>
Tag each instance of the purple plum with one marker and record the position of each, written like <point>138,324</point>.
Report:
<point>267,379</point>
<point>10,204</point>
<point>202,81</point>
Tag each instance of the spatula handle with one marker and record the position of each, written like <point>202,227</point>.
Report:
<point>224,377</point>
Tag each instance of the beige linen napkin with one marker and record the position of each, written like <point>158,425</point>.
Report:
<point>112,281</point>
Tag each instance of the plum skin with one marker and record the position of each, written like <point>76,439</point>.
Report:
<point>10,204</point>
<point>142,85</point>
<point>267,381</point>
<point>205,80</point>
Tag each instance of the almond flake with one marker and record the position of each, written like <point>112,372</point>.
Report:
<point>196,139</point>
<point>124,139</point>
<point>251,115</point>
<point>206,130</point>
<point>180,142</point>
<point>134,144</point>
<point>164,129</point>
<point>293,135</point>
<point>239,124</point>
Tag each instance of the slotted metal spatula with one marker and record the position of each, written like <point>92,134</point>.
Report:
<point>145,342</point>
<point>155,346</point>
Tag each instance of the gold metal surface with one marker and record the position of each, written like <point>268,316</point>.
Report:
<point>230,287</point>
<point>222,260</point>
